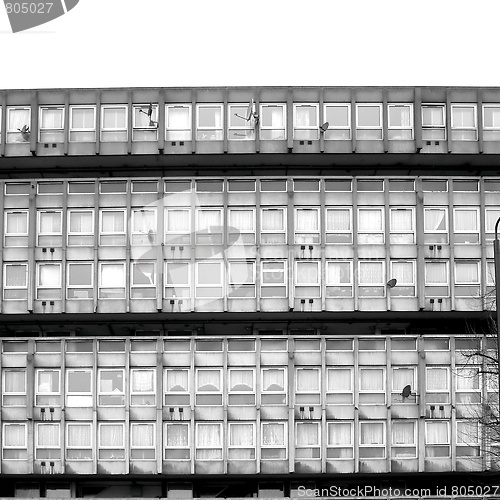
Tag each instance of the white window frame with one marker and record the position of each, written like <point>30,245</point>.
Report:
<point>316,285</point>
<point>315,448</point>
<point>13,288</point>
<point>142,290</point>
<point>430,131</point>
<point>84,131</point>
<point>45,447</point>
<point>269,132</point>
<point>371,236</point>
<point>170,290</point>
<point>16,394</point>
<point>56,288</point>
<point>15,135</point>
<point>214,238</point>
<point>340,446</point>
<point>119,131</point>
<point>217,446</point>
<point>116,286</point>
<point>143,226</point>
<point>112,393</point>
<point>332,285</point>
<point>103,425</point>
<point>348,232</point>
<point>152,447</point>
<point>463,442</point>
<point>491,132</point>
<point>311,391</point>
<point>52,395</point>
<point>177,237</point>
<point>122,235</point>
<point>19,448</point>
<point>16,235</point>
<point>459,129</point>
<point>210,133</point>
<point>143,394</point>
<point>471,373</point>
<point>186,392</point>
<point>310,235</point>
<point>337,132</point>
<point>186,448</point>
<point>381,284</point>
<point>58,132</point>
<point>174,134</point>
<point>264,269</point>
<point>305,132</point>
<point>283,447</point>
<point>83,399</point>
<point>439,390</point>
<point>274,393</point>
<point>405,445</point>
<point>413,284</point>
<point>436,284</point>
<point>433,232</point>
<point>220,284</point>
<point>199,391</point>
<point>396,391</point>
<point>87,236</point>
<point>377,129</point>
<point>89,289</point>
<point>490,218</point>
<point>145,130</point>
<point>468,284</point>
<point>367,369</point>
<point>249,284</point>
<point>447,443</point>
<point>245,129</point>
<point>251,392</point>
<point>381,446</point>
<point>393,130</point>
<point>236,447</point>
<point>473,231</point>
<point>280,233</point>
<point>89,447</point>
<point>248,235</point>
<point>51,233</point>
<point>409,233</point>
<point>331,393</point>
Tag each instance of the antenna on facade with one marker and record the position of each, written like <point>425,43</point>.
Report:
<point>392,283</point>
<point>250,114</point>
<point>149,114</point>
<point>323,128</point>
<point>406,391</point>
<point>25,132</point>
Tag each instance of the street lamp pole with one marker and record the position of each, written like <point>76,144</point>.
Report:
<point>496,256</point>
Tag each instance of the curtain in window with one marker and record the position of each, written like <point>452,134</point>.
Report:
<point>177,381</point>
<point>18,118</point>
<point>209,440</point>
<point>241,380</point>
<point>465,220</point>
<point>307,435</point>
<point>241,219</point>
<point>208,218</point>
<point>15,435</point>
<point>435,220</point>
<point>400,116</point>
<point>403,272</point>
<point>466,272</point>
<point>370,220</point>
<point>273,380</point>
<point>209,117</point>
<point>113,222</point>
<point>112,275</point>
<point>273,117</point>
<point>403,433</point>
<point>437,433</point>
<point>80,222</point>
<point>432,116</point>
<point>339,434</point>
<point>52,118</point>
<point>111,436</point>
<point>178,220</point>
<point>144,221</point>
<point>437,379</point>
<point>50,222</point>
<point>82,118</point>
<point>241,435</point>
<point>17,223</point>
<point>177,435</point>
<point>48,382</point>
<point>435,273</point>
<point>178,118</point>
<point>339,380</point>
<point>114,118</point>
<point>463,117</point>
<point>48,435</point>
<point>307,220</point>
<point>305,116</point>
<point>401,220</point>
<point>307,380</point>
<point>143,381</point>
<point>401,377</point>
<point>467,379</point>
<point>208,380</point>
<point>14,381</point>
<point>307,273</point>
<point>273,220</point>
<point>467,432</point>
<point>371,380</point>
<point>372,433</point>
<point>273,434</point>
<point>338,220</point>
<point>371,273</point>
<point>339,273</point>
<point>142,436</point>
<point>79,436</point>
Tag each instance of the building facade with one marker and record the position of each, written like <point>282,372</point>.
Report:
<point>233,292</point>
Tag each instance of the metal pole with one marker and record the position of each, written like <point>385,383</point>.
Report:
<point>496,256</point>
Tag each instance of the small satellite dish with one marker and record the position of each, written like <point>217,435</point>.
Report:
<point>406,391</point>
<point>250,114</point>
<point>25,133</point>
<point>149,114</point>
<point>392,283</point>
<point>323,128</point>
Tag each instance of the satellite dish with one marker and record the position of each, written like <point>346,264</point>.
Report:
<point>250,114</point>
<point>406,391</point>
<point>323,128</point>
<point>149,114</point>
<point>25,133</point>
<point>392,283</point>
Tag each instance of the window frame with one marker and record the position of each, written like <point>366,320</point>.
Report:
<point>88,395</point>
<point>186,393</point>
<point>89,447</point>
<point>15,394</point>
<point>428,129</point>
<point>490,132</point>
<point>475,232</point>
<point>240,284</point>
<point>341,446</point>
<point>214,133</point>
<point>247,126</point>
<point>217,446</point>
<point>402,129</point>
<point>48,288</point>
<point>331,285</point>
<point>315,448</point>
<point>382,446</point>
<point>402,232</point>
<point>378,129</point>
<point>231,447</point>
<point>433,285</point>
<point>12,136</point>
<point>372,285</point>
<point>145,129</point>
<point>14,235</point>
<point>333,130</point>
<point>311,132</point>
<point>209,393</point>
<point>220,284</point>
<point>115,234</point>
<point>113,393</point>
<point>81,288</point>
<point>142,446</point>
<point>186,447</point>
<point>274,393</point>
<point>87,236</point>
<point>330,394</point>
<point>20,448</point>
<point>238,393</point>
<point>214,238</point>
<point>270,132</point>
<point>144,291</point>
<point>378,234</point>
<point>186,133</point>
<point>15,288</point>
<point>57,131</point>
<point>249,237</point>
<point>117,286</point>
<point>73,130</point>
<point>283,447</point>
<point>177,235</point>
<point>395,446</point>
<point>339,232</point>
<point>142,394</point>
<point>455,129</point>
<point>56,396</point>
<point>100,446</point>
<point>310,236</point>
<point>413,284</point>
<point>283,285</point>
<point>313,287</point>
<point>432,239</point>
<point>122,133</point>
<point>53,232</point>
<point>446,443</point>
<point>49,448</point>
<point>280,234</point>
<point>184,288</point>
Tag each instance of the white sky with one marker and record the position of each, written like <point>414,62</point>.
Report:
<point>122,43</point>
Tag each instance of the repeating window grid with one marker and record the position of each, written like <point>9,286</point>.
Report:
<point>340,443</point>
<point>272,122</point>
<point>402,225</point>
<point>241,225</point>
<point>434,122</point>
<point>142,387</point>
<point>142,440</point>
<point>83,127</point>
<point>240,392</point>
<point>307,440</point>
<point>466,225</point>
<point>116,129</point>
<point>14,394</point>
<point>18,124</point>
<point>79,286</point>
<point>241,447</point>
<point>145,122</point>
<point>273,225</point>
<point>464,122</point>
<point>209,279</point>
<point>241,122</point>
<point>274,444</point>
<point>82,394</point>
<point>178,226</point>
<point>369,121</point>
<point>274,278</point>
<point>14,444</point>
<point>400,121</point>
<point>338,225</point>
<point>176,445</point>
<point>339,278</point>
<point>209,122</point>
<point>241,279</point>
<point>177,280</point>
<point>79,447</point>
<point>338,117</point>
<point>178,122</point>
<point>371,225</point>
<point>15,281</point>
<point>111,451</point>
<point>306,122</point>
<point>51,124</point>
<point>307,225</point>
<point>372,439</point>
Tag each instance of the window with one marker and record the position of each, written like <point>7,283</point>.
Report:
<point>241,387</point>
<point>466,225</point>
<point>111,280</point>
<point>491,122</point>
<point>143,227</point>
<point>400,122</point>
<point>209,226</point>
<point>16,228</point>
<point>338,117</point>
<point>433,122</point>
<point>142,387</point>
<point>18,124</point>
<point>306,122</point>
<point>143,280</point>
<point>307,279</point>
<point>403,439</point>
<point>339,279</point>
<point>82,124</point>
<point>340,440</point>
<point>402,376</point>
<point>436,279</point>
<point>14,388</point>
<point>241,122</point>
<point>273,122</point>
<point>307,385</point>
<point>274,439</point>
<point>79,388</point>
<point>273,226</point>
<point>209,282</point>
<point>435,225</point>
<point>176,387</point>
<point>49,231</point>
<point>51,125</point>
<point>371,385</point>
<point>114,123</point>
<point>241,444</point>
<point>208,441</point>
<point>208,387</point>
<point>306,185</point>
<point>467,279</point>
<point>178,226</point>
<point>307,225</point>
<point>47,441</point>
<point>273,279</point>
<point>142,441</point>
<point>437,439</point>
<point>465,185</point>
<point>468,387</point>
<point>47,389</point>
<point>339,225</point>
<point>111,441</point>
<point>369,122</point>
<point>177,279</point>
<point>241,226</point>
<point>437,384</point>
<point>402,226</point>
<point>48,281</point>
<point>371,279</point>
<point>178,122</point>
<point>404,274</point>
<point>177,441</point>
<point>209,122</point>
<point>468,439</point>
<point>491,217</point>
<point>372,440</point>
<point>80,227</point>
<point>307,440</point>
<point>339,386</point>
<point>401,185</point>
<point>274,383</point>
<point>15,278</point>
<point>273,185</point>
<point>111,387</point>
<point>145,122</point>
<point>241,279</point>
<point>113,228</point>
<point>79,441</point>
<point>463,122</point>
<point>14,441</point>
<point>371,226</point>
<point>80,280</point>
